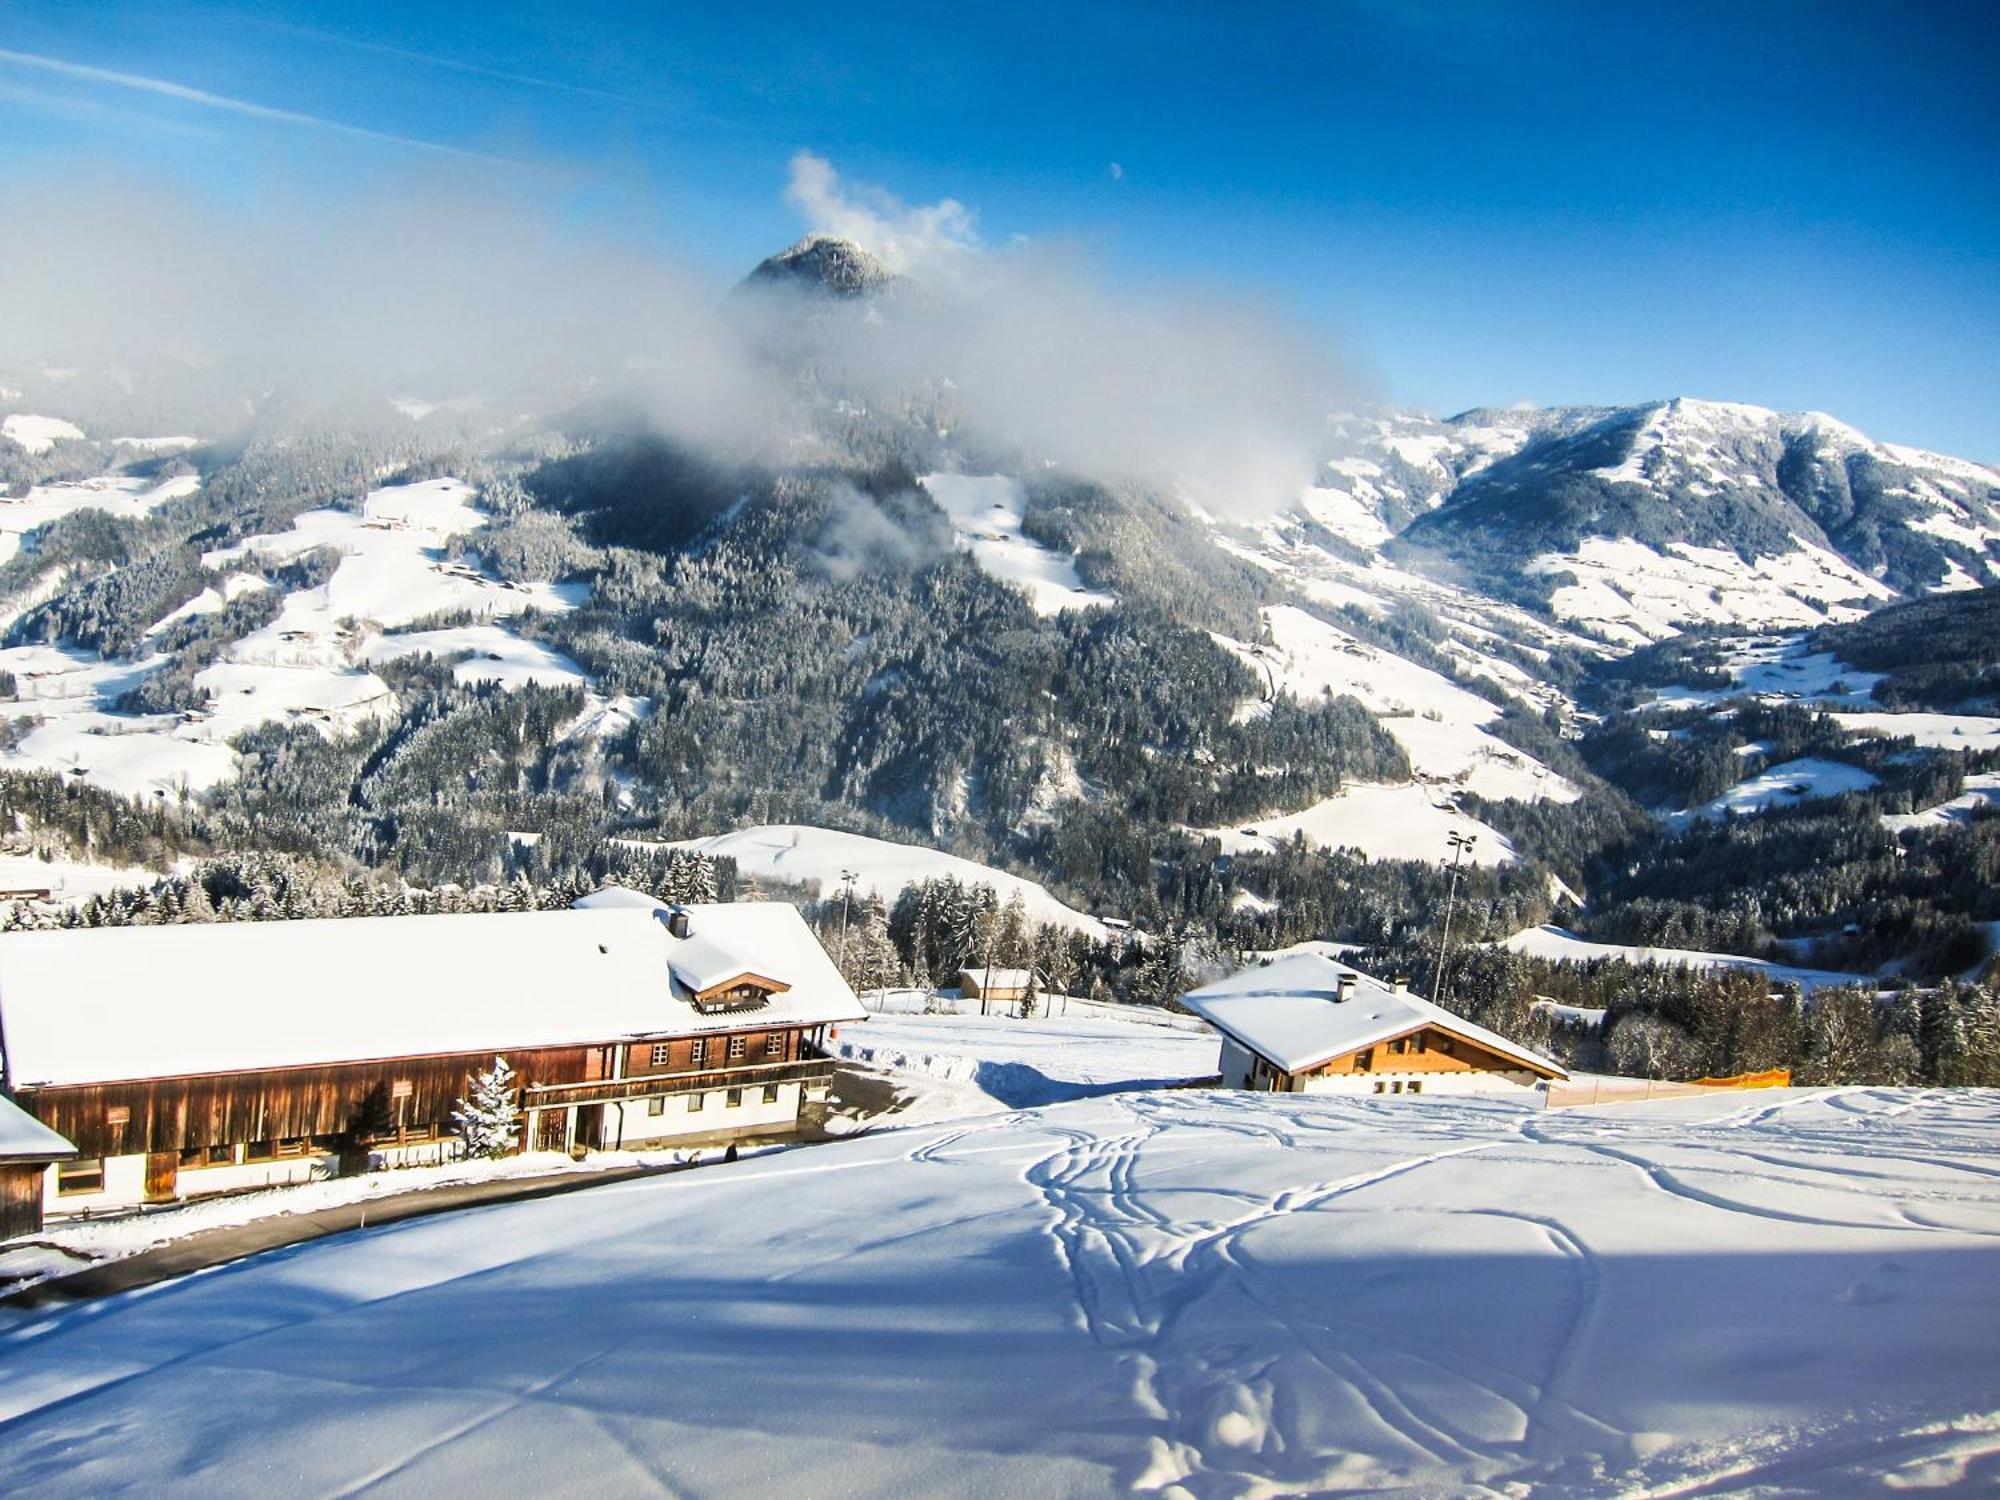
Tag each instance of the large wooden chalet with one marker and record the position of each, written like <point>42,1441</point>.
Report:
<point>201,1058</point>
<point>1306,1024</point>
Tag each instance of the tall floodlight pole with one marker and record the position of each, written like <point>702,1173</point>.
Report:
<point>846,901</point>
<point>1461,845</point>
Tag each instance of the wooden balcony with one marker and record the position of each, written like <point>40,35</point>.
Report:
<point>644,1085</point>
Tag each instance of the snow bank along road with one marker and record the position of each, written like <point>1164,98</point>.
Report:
<point>1199,1293</point>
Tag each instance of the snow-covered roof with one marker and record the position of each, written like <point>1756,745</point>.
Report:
<point>1289,1012</point>
<point>24,1138</point>
<point>96,1005</point>
<point>997,979</point>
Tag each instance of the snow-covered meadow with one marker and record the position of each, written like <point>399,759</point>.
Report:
<point>960,1064</point>
<point>987,513</point>
<point>800,854</point>
<point>1561,946</point>
<point>1194,1293</point>
<point>1441,726</point>
<point>313,663</point>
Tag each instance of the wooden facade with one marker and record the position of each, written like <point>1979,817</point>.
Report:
<point>1429,1049</point>
<point>188,1122</point>
<point>21,1197</point>
<point>1413,1057</point>
<point>998,985</point>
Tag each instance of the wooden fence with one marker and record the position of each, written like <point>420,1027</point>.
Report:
<point>1610,1090</point>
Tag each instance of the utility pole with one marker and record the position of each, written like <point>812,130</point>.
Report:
<point>846,901</point>
<point>1461,845</point>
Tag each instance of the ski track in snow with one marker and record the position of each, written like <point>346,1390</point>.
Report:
<point>1254,1281</point>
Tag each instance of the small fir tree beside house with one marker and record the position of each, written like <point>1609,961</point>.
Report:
<point>488,1119</point>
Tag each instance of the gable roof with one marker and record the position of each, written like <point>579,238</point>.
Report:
<point>97,1005</point>
<point>1288,1011</point>
<point>996,979</point>
<point>24,1138</point>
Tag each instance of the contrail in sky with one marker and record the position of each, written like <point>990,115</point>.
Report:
<point>167,89</point>
<point>435,60</point>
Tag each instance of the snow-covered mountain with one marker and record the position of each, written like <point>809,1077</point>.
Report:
<point>1636,521</point>
<point>823,263</point>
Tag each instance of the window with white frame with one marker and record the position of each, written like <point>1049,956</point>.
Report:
<point>661,1053</point>
<point>739,1047</point>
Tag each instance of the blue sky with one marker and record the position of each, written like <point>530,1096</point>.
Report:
<point>1796,205</point>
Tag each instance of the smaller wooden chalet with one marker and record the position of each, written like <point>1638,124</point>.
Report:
<point>209,1057</point>
<point>1305,1024</point>
<point>1001,986</point>
<point>27,1150</point>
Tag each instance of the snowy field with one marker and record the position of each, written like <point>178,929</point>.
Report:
<point>1982,790</point>
<point>114,495</point>
<point>1967,732</point>
<point>1634,594</point>
<point>311,664</point>
<point>1779,667</point>
<point>800,854</point>
<point>38,434</point>
<point>1441,727</point>
<point>70,881</point>
<point>1016,1063</point>
<point>1195,1293</point>
<point>986,513</point>
<point>1785,785</point>
<point>1559,945</point>
<point>1382,822</point>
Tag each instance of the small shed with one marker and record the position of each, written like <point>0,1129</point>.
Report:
<point>1306,1024</point>
<point>27,1147</point>
<point>1004,986</point>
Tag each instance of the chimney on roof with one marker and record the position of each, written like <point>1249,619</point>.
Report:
<point>1346,991</point>
<point>1400,986</point>
<point>677,922</point>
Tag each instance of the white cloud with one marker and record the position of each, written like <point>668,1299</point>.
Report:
<point>1116,171</point>
<point>904,237</point>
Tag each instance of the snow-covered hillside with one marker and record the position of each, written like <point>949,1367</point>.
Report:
<point>312,663</point>
<point>1195,1293</point>
<point>1441,727</point>
<point>113,494</point>
<point>1649,518</point>
<point>37,434</point>
<point>1632,593</point>
<point>799,855</point>
<point>1439,724</point>
<point>1562,946</point>
<point>986,513</point>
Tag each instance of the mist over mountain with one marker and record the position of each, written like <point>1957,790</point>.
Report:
<point>966,547</point>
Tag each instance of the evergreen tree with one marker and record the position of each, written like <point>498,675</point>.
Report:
<point>488,1118</point>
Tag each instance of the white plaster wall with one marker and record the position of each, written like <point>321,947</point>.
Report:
<point>124,1185</point>
<point>193,1182</point>
<point>640,1127</point>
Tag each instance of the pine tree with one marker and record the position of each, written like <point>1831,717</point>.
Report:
<point>1941,1035</point>
<point>488,1119</point>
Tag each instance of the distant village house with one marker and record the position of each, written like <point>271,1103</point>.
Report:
<point>1305,1024</point>
<point>995,986</point>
